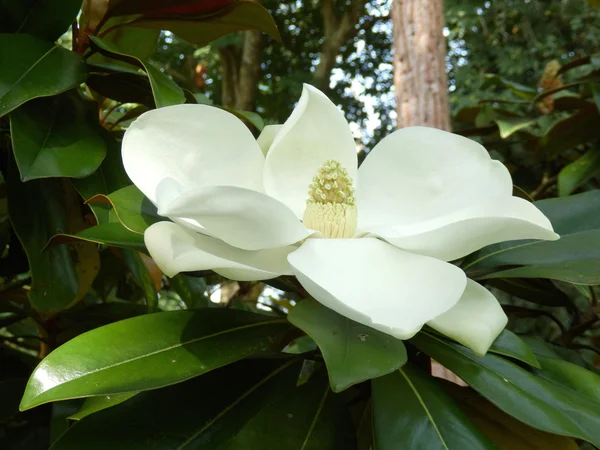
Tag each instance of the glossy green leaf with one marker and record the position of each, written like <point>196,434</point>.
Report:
<point>131,208</point>
<point>247,116</point>
<point>46,19</point>
<point>242,15</point>
<point>56,137</point>
<point>123,87</point>
<point>510,125</point>
<point>574,175</point>
<point>142,276</point>
<point>505,431</point>
<point>137,42</point>
<point>191,290</point>
<point>572,372</point>
<point>94,404</point>
<point>108,234</point>
<point>165,7</point>
<point>263,409</point>
<point>571,131</point>
<point>574,218</point>
<point>37,212</point>
<point>34,68</point>
<point>412,411</point>
<point>577,272</point>
<point>584,381</point>
<point>165,91</point>
<point>302,344</point>
<point>509,344</point>
<point>538,291</point>
<point>148,352</point>
<point>353,352</point>
<point>545,405</point>
<point>516,88</point>
<point>109,177</point>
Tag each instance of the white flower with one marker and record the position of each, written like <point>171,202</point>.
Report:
<point>422,197</point>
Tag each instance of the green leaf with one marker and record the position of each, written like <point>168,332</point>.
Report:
<point>584,381</point>
<point>56,137</point>
<point>165,7</point>
<point>574,218</point>
<point>34,68</point>
<point>191,290</point>
<point>509,344</point>
<point>528,397</point>
<point>45,19</point>
<point>109,177</point>
<point>242,15</point>
<point>165,91</point>
<point>148,352</point>
<point>263,409</point>
<point>541,292</point>
<point>137,42</point>
<point>555,368</point>
<point>247,116</point>
<point>571,131</point>
<point>575,174</point>
<point>131,207</point>
<point>505,431</point>
<point>353,352</point>
<point>94,404</point>
<point>123,87</point>
<point>142,276</point>
<point>107,234</point>
<point>411,410</point>
<point>585,273</point>
<point>37,212</point>
<point>516,88</point>
<point>510,125</point>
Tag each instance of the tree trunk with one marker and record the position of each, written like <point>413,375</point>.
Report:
<point>338,30</point>
<point>420,79</point>
<point>240,72</point>
<point>249,71</point>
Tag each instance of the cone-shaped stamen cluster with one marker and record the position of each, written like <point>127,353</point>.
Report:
<point>330,207</point>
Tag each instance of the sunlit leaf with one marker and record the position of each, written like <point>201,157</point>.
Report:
<point>353,352</point>
<point>148,352</point>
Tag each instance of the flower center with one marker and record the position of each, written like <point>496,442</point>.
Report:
<point>330,207</point>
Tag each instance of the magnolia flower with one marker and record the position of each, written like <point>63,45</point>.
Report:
<point>372,243</point>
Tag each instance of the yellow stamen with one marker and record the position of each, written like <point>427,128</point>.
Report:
<point>330,207</point>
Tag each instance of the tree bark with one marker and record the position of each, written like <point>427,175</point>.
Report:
<point>420,80</point>
<point>249,71</point>
<point>240,72</point>
<point>337,31</point>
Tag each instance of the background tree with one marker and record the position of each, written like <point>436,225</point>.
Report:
<point>420,81</point>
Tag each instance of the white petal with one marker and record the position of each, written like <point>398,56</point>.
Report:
<point>373,283</point>
<point>267,136</point>
<point>176,249</point>
<point>458,234</point>
<point>475,321</point>
<point>315,132</point>
<point>418,173</point>
<point>243,218</point>
<point>171,149</point>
